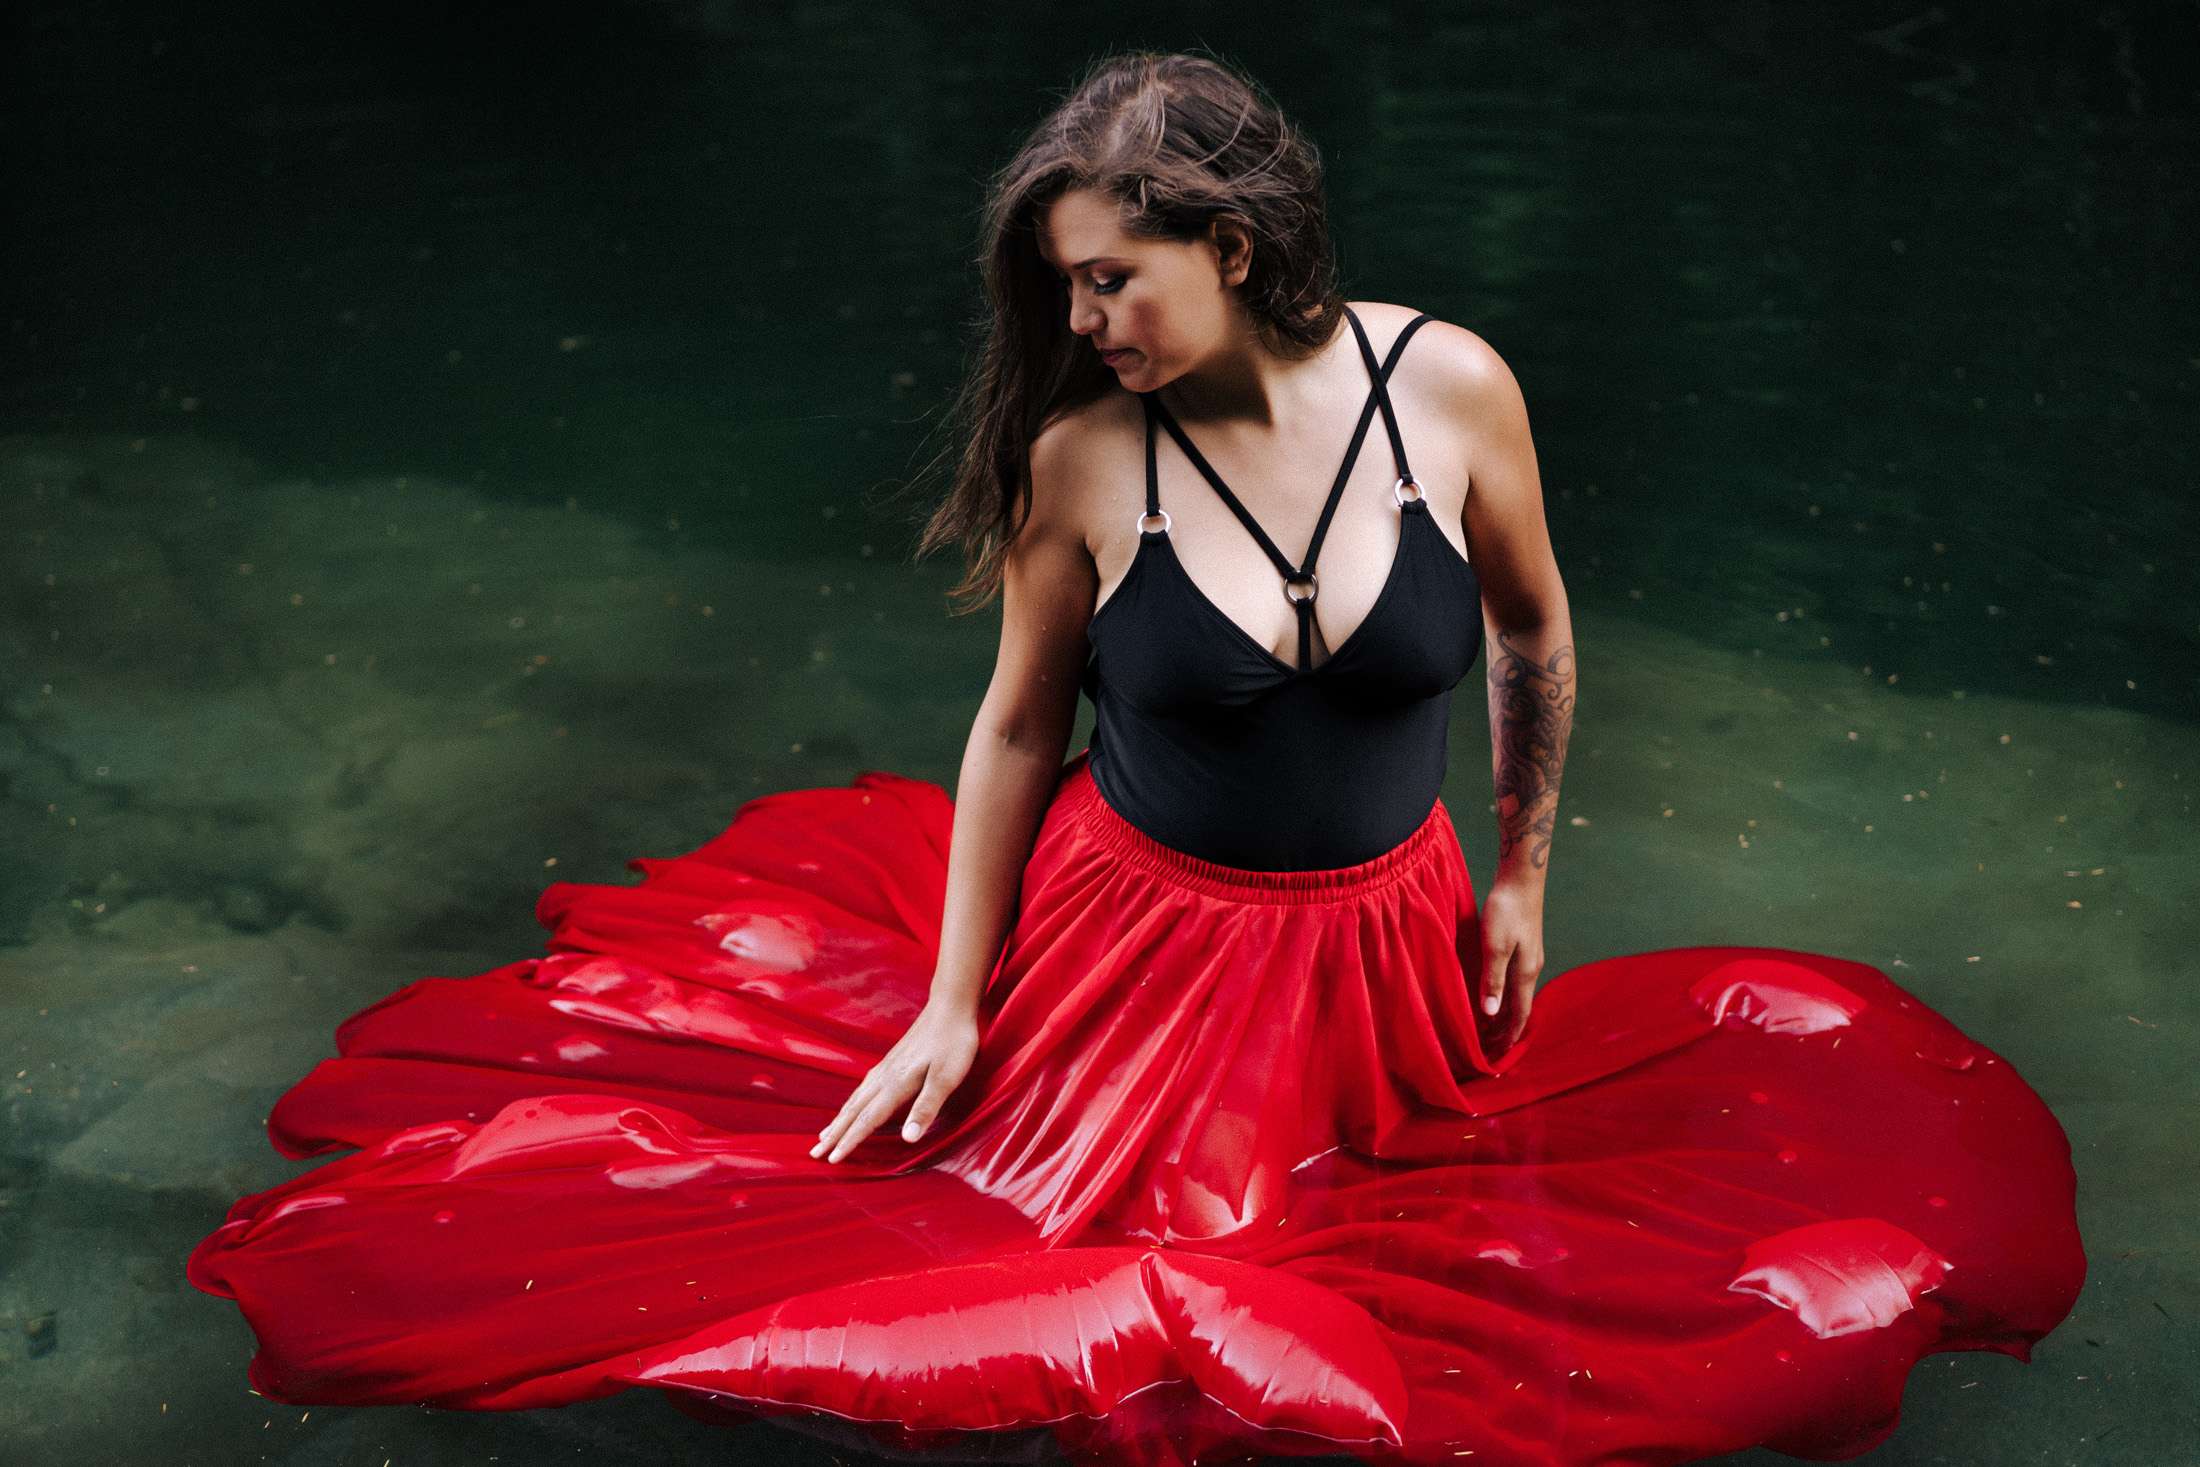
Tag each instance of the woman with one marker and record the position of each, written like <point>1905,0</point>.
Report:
<point>1214,319</point>
<point>1205,1150</point>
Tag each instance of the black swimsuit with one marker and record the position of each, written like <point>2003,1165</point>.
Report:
<point>1210,743</point>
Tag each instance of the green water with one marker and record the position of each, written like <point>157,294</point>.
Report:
<point>442,456</point>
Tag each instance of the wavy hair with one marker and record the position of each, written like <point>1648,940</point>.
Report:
<point>1178,140</point>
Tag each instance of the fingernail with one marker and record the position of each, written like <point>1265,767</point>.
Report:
<point>911,1131</point>
<point>1489,1004</point>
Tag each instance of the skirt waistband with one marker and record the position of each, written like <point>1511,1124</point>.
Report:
<point>1081,802</point>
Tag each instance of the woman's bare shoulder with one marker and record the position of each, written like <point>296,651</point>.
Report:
<point>1451,362</point>
<point>1080,457</point>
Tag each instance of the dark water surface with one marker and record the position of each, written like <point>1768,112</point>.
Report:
<point>446,449</point>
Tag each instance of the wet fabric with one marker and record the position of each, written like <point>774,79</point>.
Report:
<point>1208,741</point>
<point>1237,1172</point>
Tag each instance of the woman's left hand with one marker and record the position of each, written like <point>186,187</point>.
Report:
<point>1512,956</point>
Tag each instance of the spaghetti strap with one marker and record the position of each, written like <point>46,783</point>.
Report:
<point>1199,461</point>
<point>1381,392</point>
<point>1378,393</point>
<point>1153,475</point>
<point>1300,578</point>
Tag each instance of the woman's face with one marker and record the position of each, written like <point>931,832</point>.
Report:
<point>1155,307</point>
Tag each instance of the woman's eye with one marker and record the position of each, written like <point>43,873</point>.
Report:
<point>1109,288</point>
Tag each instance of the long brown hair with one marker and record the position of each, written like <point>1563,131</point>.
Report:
<point>1177,140</point>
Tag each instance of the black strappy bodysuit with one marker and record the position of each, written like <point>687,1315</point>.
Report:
<point>1210,743</point>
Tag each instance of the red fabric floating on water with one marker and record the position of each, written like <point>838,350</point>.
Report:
<point>1844,1275</point>
<point>1238,1171</point>
<point>1277,1352</point>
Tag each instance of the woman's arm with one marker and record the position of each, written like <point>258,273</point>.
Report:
<point>1021,734</point>
<point>1010,768</point>
<point>1529,650</point>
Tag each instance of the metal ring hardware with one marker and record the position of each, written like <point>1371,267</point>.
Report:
<point>1397,490</point>
<point>1143,517</point>
<point>1311,583</point>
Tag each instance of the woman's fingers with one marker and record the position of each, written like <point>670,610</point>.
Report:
<point>1526,970</point>
<point>1494,966</point>
<point>880,1106</point>
<point>1523,1004</point>
<point>865,1112</point>
<point>936,1089</point>
<point>927,1063</point>
<point>848,1111</point>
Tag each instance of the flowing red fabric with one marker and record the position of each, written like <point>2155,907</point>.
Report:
<point>1235,1174</point>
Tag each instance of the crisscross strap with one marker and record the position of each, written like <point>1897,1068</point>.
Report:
<point>1294,575</point>
<point>1381,389</point>
<point>1378,394</point>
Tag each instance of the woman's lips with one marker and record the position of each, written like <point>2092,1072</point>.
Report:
<point>1112,357</point>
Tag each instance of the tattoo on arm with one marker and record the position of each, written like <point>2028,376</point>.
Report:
<point>1531,716</point>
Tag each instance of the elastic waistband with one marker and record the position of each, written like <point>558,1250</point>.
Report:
<point>1081,802</point>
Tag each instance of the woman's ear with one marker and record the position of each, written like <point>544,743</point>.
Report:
<point>1232,243</point>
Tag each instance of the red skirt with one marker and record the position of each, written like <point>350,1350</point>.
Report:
<point>1236,1171</point>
